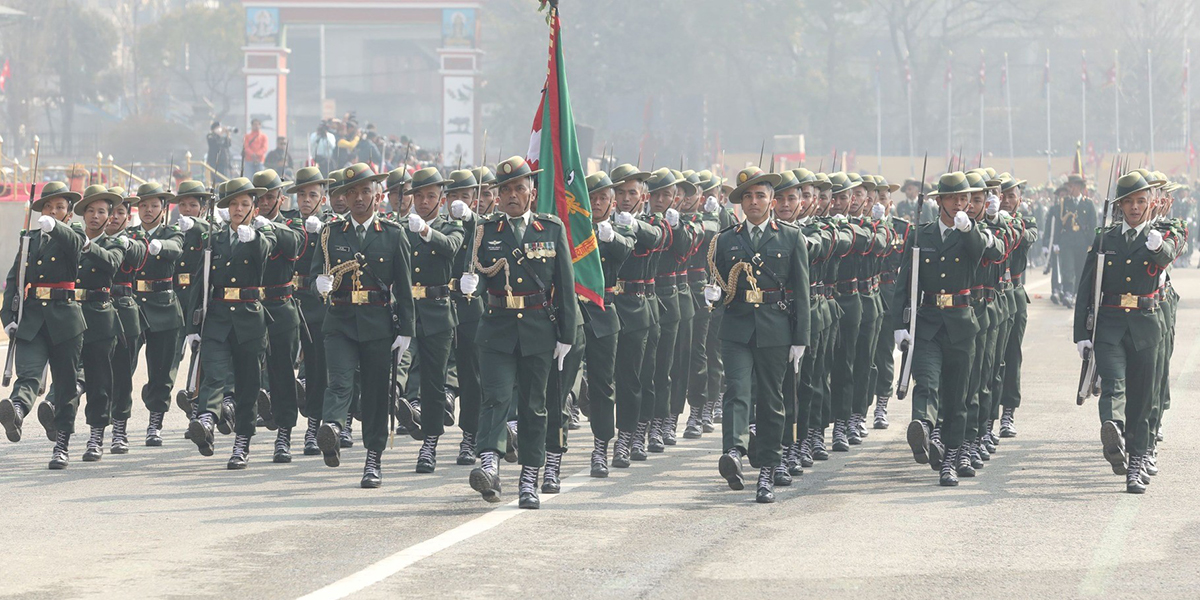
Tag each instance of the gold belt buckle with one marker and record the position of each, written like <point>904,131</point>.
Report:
<point>232,294</point>
<point>452,285</point>
<point>516,302</point>
<point>185,279</point>
<point>80,295</point>
<point>42,293</point>
<point>297,281</point>
<point>143,285</point>
<point>754,296</point>
<point>1129,301</point>
<point>360,296</point>
<point>945,301</point>
<point>619,288</point>
<point>418,292</point>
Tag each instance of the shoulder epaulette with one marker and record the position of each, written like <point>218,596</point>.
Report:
<point>729,228</point>
<point>791,225</point>
<point>547,217</point>
<point>901,221</point>
<point>388,223</point>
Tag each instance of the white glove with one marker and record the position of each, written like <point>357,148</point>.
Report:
<point>123,241</point>
<point>415,223</point>
<point>192,338</point>
<point>459,209</point>
<point>962,222</point>
<point>401,344</point>
<point>993,205</point>
<point>185,223</point>
<point>468,283</point>
<point>795,354</point>
<point>323,284</point>
<point>877,211</point>
<point>901,336</point>
<point>1154,240</point>
<point>245,234</point>
<point>260,222</point>
<point>672,217</point>
<point>223,215</point>
<point>312,224</point>
<point>560,353</point>
<point>10,329</point>
<point>1004,213</point>
<point>604,231</point>
<point>1083,347</point>
<point>712,293</point>
<point>1056,248</point>
<point>154,248</point>
<point>46,222</point>
<point>712,205</point>
<point>623,219</point>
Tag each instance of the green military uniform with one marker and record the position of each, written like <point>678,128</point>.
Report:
<point>762,271</point>
<point>1018,262</point>
<point>883,371</point>
<point>869,269</point>
<point>124,356</point>
<point>1175,232</point>
<point>188,268</point>
<point>50,326</point>
<point>697,375</point>
<point>233,330</point>
<point>689,266</point>
<point>469,308</point>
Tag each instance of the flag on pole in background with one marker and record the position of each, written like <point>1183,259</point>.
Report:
<point>554,148</point>
<point>1046,77</point>
<point>1083,75</point>
<point>4,76</point>
<point>982,73</point>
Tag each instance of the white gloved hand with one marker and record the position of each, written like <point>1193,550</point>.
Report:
<point>192,338</point>
<point>122,240</point>
<point>993,205</point>
<point>623,219</point>
<point>459,209</point>
<point>312,224</point>
<point>712,205</point>
<point>1083,347</point>
<point>415,223</point>
<point>245,234</point>
<point>1154,240</point>
<point>401,344</point>
<point>962,222</point>
<point>10,329</point>
<point>223,215</point>
<point>154,248</point>
<point>713,293</point>
<point>1056,249</point>
<point>604,231</point>
<point>185,223</point>
<point>560,353</point>
<point>468,283</point>
<point>46,223</point>
<point>795,355</point>
<point>323,284</point>
<point>260,222</point>
<point>901,336</point>
<point>672,217</point>
<point>877,211</point>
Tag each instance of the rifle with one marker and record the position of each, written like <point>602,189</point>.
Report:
<point>198,316</point>
<point>1088,375</point>
<point>910,312</point>
<point>22,266</point>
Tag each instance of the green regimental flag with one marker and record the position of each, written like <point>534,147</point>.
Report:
<point>562,191</point>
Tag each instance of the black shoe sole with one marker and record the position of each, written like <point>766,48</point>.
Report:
<point>765,498</point>
<point>481,482</point>
<point>965,472</point>
<point>311,451</point>
<point>281,459</point>
<point>426,467</point>
<point>1110,437</point>
<point>465,460</point>
<point>1135,489</point>
<point>409,418</point>
<point>510,448</point>
<point>881,424</point>
<point>532,503</point>
<point>948,482</point>
<point>235,466</point>
<point>8,418</point>
<point>184,402</point>
<point>265,412</point>
<point>599,472</point>
<point>854,441</point>
<point>57,466</point>
<point>840,447</point>
<point>201,437</point>
<point>708,429</point>
<point>327,441</point>
<point>820,456</point>
<point>656,448</point>
<point>119,450</point>
<point>370,484</point>
<point>732,472</point>
<point>90,456</point>
<point>620,464</point>
<point>781,482</point>
<point>689,434</point>
<point>154,442</point>
<point>918,442</point>
<point>551,488</point>
<point>45,415</point>
<point>638,456</point>
<point>225,420</point>
<point>1005,434</point>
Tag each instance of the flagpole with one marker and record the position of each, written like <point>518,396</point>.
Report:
<point>1012,157</point>
<point>1187,109</point>
<point>1150,93</point>
<point>1117,96</point>
<point>981,75</point>
<point>912,165</point>
<point>878,117</point>
<point>950,104</point>
<point>1083,101</point>
<point>1049,145</point>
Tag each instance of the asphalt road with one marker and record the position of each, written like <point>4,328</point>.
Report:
<point>1045,518</point>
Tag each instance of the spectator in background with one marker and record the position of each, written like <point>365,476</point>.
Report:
<point>321,144</point>
<point>254,148</point>
<point>347,145</point>
<point>280,158</point>
<point>218,148</point>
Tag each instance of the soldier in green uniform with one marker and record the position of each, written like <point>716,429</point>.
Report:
<point>311,192</point>
<point>883,371</point>
<point>867,214</point>
<point>365,271</point>
<point>949,251</point>
<point>530,324</point>
<point>696,377</point>
<point>761,270</point>
<point>1175,233</point>
<point>190,200</point>
<point>1018,262</point>
<point>1127,328</point>
<point>42,317</point>
<point>154,289</point>
<point>689,201</point>
<point>232,330</point>
<point>124,356</point>
<point>435,241</point>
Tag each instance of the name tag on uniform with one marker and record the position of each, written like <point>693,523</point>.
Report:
<point>341,248</point>
<point>734,247</point>
<point>924,249</point>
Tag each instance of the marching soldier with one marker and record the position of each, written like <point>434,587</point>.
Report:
<point>49,326</point>
<point>190,200</point>
<point>528,329</point>
<point>124,356</point>
<point>689,201</point>
<point>761,270</point>
<point>867,214</point>
<point>435,241</point>
<point>883,371</point>
<point>232,331</point>
<point>1018,261</point>
<point>696,376</point>
<point>365,271</point>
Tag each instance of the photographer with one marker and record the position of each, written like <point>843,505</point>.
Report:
<point>218,148</point>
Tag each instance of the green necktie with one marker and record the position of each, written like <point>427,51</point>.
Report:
<point>361,231</point>
<point>1130,235</point>
<point>755,235</point>
<point>518,227</point>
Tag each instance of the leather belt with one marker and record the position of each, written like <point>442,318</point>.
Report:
<point>986,294</point>
<point>868,286</point>
<point>51,291</point>
<point>232,294</point>
<point>888,278</point>
<point>96,295</point>
<point>516,301</point>
<point>278,292</point>
<point>298,282</point>
<point>430,292</point>
<point>766,296</point>
<point>1018,280</point>
<point>359,298</point>
<point>1130,301</point>
<point>697,276</point>
<point>956,300</point>
<point>122,290</point>
<point>846,288</point>
<point>639,288</point>
<point>665,280</point>
<point>155,285</point>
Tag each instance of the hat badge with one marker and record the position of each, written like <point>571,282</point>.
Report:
<point>508,168</point>
<point>742,178</point>
<point>349,172</point>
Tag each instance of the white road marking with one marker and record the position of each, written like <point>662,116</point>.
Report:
<point>407,557</point>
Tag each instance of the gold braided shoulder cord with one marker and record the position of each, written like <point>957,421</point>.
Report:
<point>501,263</point>
<point>729,286</point>
<point>337,271</point>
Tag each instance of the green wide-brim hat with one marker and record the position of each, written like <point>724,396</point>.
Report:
<point>787,181</point>
<point>881,182</point>
<point>690,182</point>
<point>427,177</point>
<point>192,188</point>
<point>977,180</point>
<point>660,179</point>
<point>268,179</point>
<point>335,181</point>
<point>154,189</point>
<point>842,182</point>
<point>751,176</point>
<point>234,188</point>
<point>462,179</point>
<point>484,175</point>
<point>710,183</point>
<point>359,173</point>
<point>866,181</point>
<point>1131,183</point>
<point>627,172</point>
<point>954,183</point>
<point>512,169</point>
<point>598,182</point>
<point>307,176</point>
<point>1008,183</point>
<point>95,193</point>
<point>1076,178</point>
<point>396,178</point>
<point>120,191</point>
<point>52,190</point>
